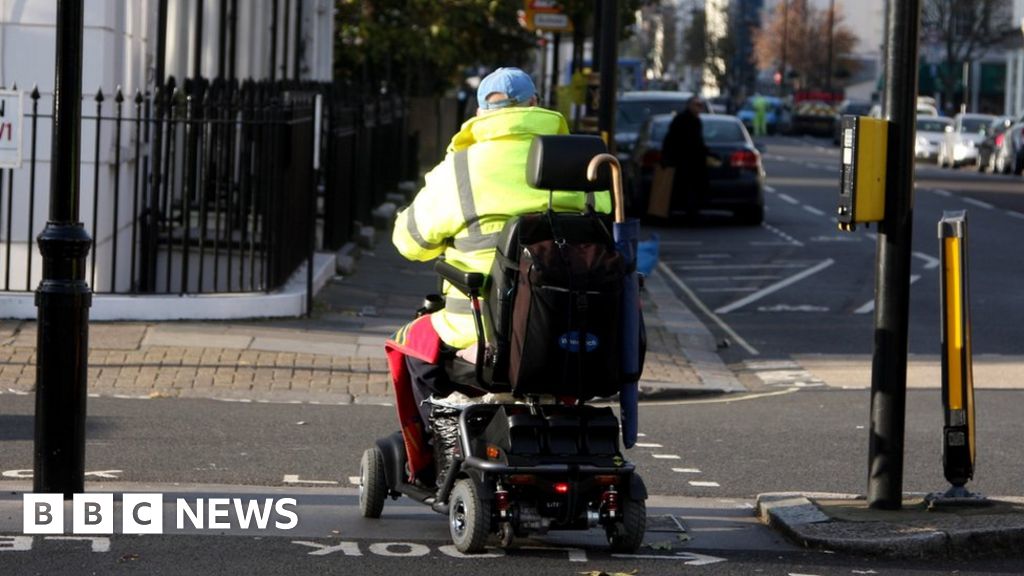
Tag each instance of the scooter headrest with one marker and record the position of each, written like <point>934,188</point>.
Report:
<point>560,163</point>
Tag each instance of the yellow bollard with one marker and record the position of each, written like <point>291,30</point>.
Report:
<point>958,438</point>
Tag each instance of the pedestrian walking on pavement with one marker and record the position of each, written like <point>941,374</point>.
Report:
<point>684,149</point>
<point>464,204</point>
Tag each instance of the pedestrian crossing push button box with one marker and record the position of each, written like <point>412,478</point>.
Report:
<point>865,143</point>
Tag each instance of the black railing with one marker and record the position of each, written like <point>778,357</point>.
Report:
<point>209,187</point>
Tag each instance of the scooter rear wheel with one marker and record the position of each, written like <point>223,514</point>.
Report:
<point>373,488</point>
<point>627,535</point>
<point>469,517</point>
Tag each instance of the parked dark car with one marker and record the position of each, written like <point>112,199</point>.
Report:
<point>736,184</point>
<point>634,108</point>
<point>988,147</point>
<point>1009,153</point>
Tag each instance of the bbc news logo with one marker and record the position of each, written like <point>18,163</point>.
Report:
<point>94,513</point>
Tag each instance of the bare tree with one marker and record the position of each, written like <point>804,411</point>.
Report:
<point>796,35</point>
<point>966,29</point>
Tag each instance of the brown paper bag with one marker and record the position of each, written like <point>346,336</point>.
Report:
<point>661,191</point>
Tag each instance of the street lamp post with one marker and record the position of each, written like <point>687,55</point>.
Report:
<point>63,297</point>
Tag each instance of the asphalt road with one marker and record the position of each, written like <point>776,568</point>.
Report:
<point>797,285</point>
<point>704,460</point>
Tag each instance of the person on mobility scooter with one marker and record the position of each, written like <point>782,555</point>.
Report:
<point>491,392</point>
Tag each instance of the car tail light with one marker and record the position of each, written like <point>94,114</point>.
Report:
<point>562,487</point>
<point>999,139</point>
<point>651,158</point>
<point>521,479</point>
<point>745,160</point>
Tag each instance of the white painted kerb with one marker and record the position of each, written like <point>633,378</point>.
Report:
<point>290,301</point>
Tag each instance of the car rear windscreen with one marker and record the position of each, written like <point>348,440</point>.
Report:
<point>928,125</point>
<point>720,131</point>
<point>632,114</point>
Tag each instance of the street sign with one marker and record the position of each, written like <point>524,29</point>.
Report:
<point>544,15</point>
<point>10,129</point>
<point>551,22</point>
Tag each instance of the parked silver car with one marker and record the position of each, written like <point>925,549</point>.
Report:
<point>931,131</point>
<point>960,146</point>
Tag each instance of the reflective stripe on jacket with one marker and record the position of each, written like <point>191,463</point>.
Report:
<point>470,195</point>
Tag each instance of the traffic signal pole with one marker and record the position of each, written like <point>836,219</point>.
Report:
<point>892,280</point>
<point>609,58</point>
<point>63,297</point>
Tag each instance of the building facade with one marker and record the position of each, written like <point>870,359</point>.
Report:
<point>130,48</point>
<point>1015,66</point>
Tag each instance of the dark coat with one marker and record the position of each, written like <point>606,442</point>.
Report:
<point>684,149</point>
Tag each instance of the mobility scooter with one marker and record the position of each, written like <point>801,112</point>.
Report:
<point>532,456</point>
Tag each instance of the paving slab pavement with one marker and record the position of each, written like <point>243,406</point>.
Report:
<point>335,356</point>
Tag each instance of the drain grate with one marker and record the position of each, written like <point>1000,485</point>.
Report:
<point>665,523</point>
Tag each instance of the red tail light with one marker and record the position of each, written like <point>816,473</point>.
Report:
<point>562,487</point>
<point>999,139</point>
<point>651,158</point>
<point>501,500</point>
<point>745,160</point>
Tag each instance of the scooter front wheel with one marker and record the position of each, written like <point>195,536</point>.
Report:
<point>373,488</point>
<point>469,517</point>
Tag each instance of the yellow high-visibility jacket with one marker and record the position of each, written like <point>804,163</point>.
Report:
<point>469,196</point>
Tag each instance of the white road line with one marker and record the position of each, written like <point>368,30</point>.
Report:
<point>726,289</point>
<point>978,203</point>
<point>734,266</point>
<point>781,234</point>
<point>1013,214</point>
<point>294,479</point>
<point>869,306</point>
<point>770,243</point>
<point>686,470</point>
<point>647,445</point>
<point>774,287</point>
<point>354,480</point>
<point>726,399</point>
<point>704,484</point>
<point>732,278</point>
<point>666,456</point>
<point>707,311</point>
<point>769,189</point>
<point>930,262</point>
<point>866,308</point>
<point>788,198</point>
<point>941,192</point>
<point>813,210</point>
